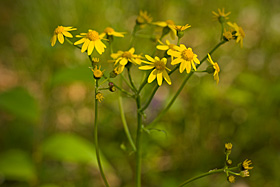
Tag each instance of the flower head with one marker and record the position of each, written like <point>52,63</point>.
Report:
<point>59,34</point>
<point>159,69</point>
<point>123,57</point>
<point>227,35</point>
<point>99,96</point>
<point>185,56</point>
<point>216,72</point>
<point>221,16</point>
<point>244,173</point>
<point>228,146</point>
<point>111,32</point>
<point>181,27</point>
<point>97,73</point>
<point>239,34</point>
<point>143,18</point>
<point>168,27</point>
<point>246,164</point>
<point>231,179</point>
<point>91,40</point>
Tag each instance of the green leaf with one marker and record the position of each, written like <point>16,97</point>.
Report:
<point>20,103</point>
<point>68,75</point>
<point>17,165</point>
<point>71,148</point>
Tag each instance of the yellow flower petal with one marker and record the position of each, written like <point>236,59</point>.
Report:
<point>152,76</point>
<point>188,67</point>
<point>132,50</point>
<point>80,41</point>
<point>150,58</point>
<point>67,34</point>
<point>146,67</point>
<point>90,47</point>
<point>100,47</point>
<point>166,77</point>
<point>182,66</point>
<point>159,78</point>
<point>60,38</point>
<point>85,45</point>
<point>162,47</point>
<point>174,53</point>
<point>53,40</point>
<point>123,61</point>
<point>176,61</point>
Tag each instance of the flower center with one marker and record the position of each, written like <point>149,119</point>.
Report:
<point>159,65</point>
<point>169,22</point>
<point>187,55</point>
<point>109,30</point>
<point>127,54</point>
<point>59,29</point>
<point>93,35</point>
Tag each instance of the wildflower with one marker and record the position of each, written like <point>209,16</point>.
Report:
<point>143,18</point>
<point>97,73</point>
<point>239,34</point>
<point>168,27</point>
<point>159,69</point>
<point>228,146</point>
<point>231,179</point>
<point>123,57</point>
<point>91,40</point>
<point>111,32</point>
<point>59,32</point>
<point>217,70</point>
<point>244,173</point>
<point>221,16</point>
<point>99,97</point>
<point>180,29</point>
<point>118,69</point>
<point>185,56</point>
<point>227,35</point>
<point>246,164</point>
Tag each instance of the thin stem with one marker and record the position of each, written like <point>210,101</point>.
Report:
<point>143,83</point>
<point>71,43</point>
<point>150,98</point>
<point>222,25</point>
<point>130,80</point>
<point>208,173</point>
<point>138,143</point>
<point>125,124</point>
<point>96,137</point>
<point>125,80</point>
<point>182,86</point>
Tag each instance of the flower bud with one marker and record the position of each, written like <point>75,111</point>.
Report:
<point>231,179</point>
<point>210,69</point>
<point>229,162</point>
<point>244,173</point>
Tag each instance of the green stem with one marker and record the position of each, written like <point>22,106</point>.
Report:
<point>182,86</point>
<point>125,124</point>
<point>96,137</point>
<point>125,80</point>
<point>206,174</point>
<point>138,143</point>
<point>130,80</point>
<point>150,98</point>
<point>222,36</point>
<point>143,83</point>
<point>71,43</point>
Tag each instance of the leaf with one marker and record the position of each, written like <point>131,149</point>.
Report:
<point>71,148</point>
<point>20,103</point>
<point>68,75</point>
<point>17,165</point>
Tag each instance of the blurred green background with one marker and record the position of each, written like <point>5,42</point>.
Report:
<point>46,97</point>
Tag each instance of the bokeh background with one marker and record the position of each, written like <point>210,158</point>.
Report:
<point>46,97</point>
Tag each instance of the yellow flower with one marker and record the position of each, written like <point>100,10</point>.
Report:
<point>185,56</point>
<point>59,32</point>
<point>97,73</point>
<point>231,179</point>
<point>246,164</point>
<point>111,32</point>
<point>118,69</point>
<point>221,16</point>
<point>99,96</point>
<point>181,28</point>
<point>91,40</point>
<point>159,69</point>
<point>240,34</point>
<point>228,146</point>
<point>169,25</point>
<point>227,35</point>
<point>123,57</point>
<point>216,73</point>
<point>143,18</point>
<point>244,173</point>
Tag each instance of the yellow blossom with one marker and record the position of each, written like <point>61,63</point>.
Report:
<point>181,27</point>
<point>99,97</point>
<point>143,18</point>
<point>111,32</point>
<point>216,73</point>
<point>119,69</point>
<point>169,25</point>
<point>221,16</point>
<point>97,73</point>
<point>231,179</point>
<point>244,173</point>
<point>227,35</point>
<point>123,57</point>
<point>59,34</point>
<point>185,56</point>
<point>159,69</point>
<point>246,164</point>
<point>91,40</point>
<point>240,34</point>
<point>228,146</point>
